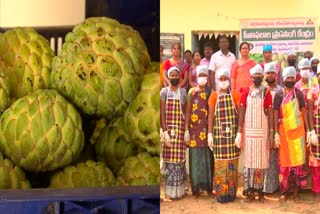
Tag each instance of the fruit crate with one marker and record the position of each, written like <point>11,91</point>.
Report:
<point>138,199</point>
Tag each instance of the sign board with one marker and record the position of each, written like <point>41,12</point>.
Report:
<point>298,34</point>
<point>167,39</point>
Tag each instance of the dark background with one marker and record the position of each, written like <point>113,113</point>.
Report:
<point>142,15</point>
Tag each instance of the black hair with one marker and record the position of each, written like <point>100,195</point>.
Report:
<point>208,45</point>
<point>222,37</point>
<point>177,43</point>
<point>194,52</point>
<point>187,51</point>
<point>244,43</point>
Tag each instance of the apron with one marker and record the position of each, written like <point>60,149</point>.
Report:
<point>292,133</point>
<point>175,125</point>
<point>198,127</point>
<point>315,150</point>
<point>305,93</point>
<point>256,146</point>
<point>225,128</point>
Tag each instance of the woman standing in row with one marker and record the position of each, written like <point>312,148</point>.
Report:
<point>240,71</point>
<point>200,156</point>
<point>172,119</point>
<point>176,61</point>
<point>222,128</point>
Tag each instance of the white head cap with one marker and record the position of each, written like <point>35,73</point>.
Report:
<point>223,72</point>
<point>257,69</point>
<point>288,72</point>
<point>291,52</point>
<point>202,69</point>
<point>313,58</point>
<point>318,68</point>
<point>270,67</point>
<point>172,69</point>
<point>304,63</point>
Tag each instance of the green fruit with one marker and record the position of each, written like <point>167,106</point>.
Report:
<point>142,117</point>
<point>25,57</point>
<point>113,146</point>
<point>4,92</point>
<point>88,174</point>
<point>99,126</point>
<point>100,66</point>
<point>142,169</point>
<point>41,132</point>
<point>12,177</point>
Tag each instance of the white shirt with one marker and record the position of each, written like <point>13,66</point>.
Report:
<point>218,61</point>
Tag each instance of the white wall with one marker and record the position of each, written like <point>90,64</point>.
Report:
<point>41,13</point>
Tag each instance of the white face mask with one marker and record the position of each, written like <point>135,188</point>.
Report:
<point>223,84</point>
<point>305,73</point>
<point>202,80</point>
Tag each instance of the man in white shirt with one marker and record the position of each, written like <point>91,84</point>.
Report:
<point>220,59</point>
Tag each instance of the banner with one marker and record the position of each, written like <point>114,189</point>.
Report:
<point>167,39</point>
<point>298,34</point>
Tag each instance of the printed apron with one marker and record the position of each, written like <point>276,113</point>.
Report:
<point>256,146</point>
<point>200,156</point>
<point>292,133</point>
<point>225,152</point>
<point>175,127</point>
<point>225,128</point>
<point>174,156</point>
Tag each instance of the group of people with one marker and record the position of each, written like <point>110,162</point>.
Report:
<point>220,106</point>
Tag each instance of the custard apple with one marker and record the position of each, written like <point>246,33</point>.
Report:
<point>4,92</point>
<point>100,66</point>
<point>142,169</point>
<point>41,132</point>
<point>88,174</point>
<point>113,146</point>
<point>11,176</point>
<point>142,117</point>
<point>25,57</point>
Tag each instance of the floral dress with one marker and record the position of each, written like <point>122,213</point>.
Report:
<point>200,156</point>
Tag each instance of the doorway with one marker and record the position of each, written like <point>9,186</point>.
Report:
<point>199,38</point>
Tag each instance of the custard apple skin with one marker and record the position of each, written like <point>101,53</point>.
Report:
<point>142,117</point>
<point>142,169</point>
<point>25,57</point>
<point>4,92</point>
<point>100,66</point>
<point>11,176</point>
<point>41,132</point>
<point>113,146</point>
<point>88,174</point>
